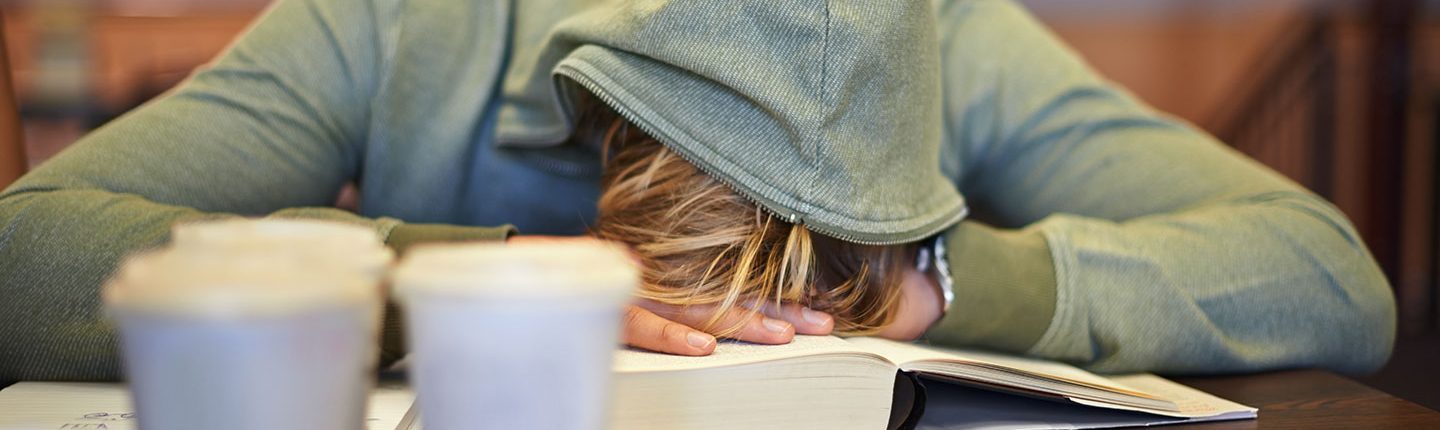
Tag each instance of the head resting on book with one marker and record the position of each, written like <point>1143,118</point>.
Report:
<point>701,243</point>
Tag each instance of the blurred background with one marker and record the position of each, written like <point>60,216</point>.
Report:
<point>1341,96</point>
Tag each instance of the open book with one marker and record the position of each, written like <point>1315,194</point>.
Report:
<point>819,382</point>
<point>825,382</point>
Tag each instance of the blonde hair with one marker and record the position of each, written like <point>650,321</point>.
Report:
<point>701,243</point>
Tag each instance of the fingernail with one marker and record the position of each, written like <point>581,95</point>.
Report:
<point>776,325</point>
<point>815,317</point>
<point>698,340</point>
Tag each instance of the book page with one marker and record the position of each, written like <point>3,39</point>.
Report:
<point>908,355</point>
<point>57,405</point>
<point>731,353</point>
<point>83,405</point>
<point>390,407</point>
<point>1193,403</point>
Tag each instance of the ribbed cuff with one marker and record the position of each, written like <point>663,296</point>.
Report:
<point>392,335</point>
<point>402,237</point>
<point>1004,288</point>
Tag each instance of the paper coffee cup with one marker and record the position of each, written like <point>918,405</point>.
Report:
<point>234,337</point>
<point>514,336</point>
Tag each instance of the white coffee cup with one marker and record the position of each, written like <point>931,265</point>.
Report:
<point>514,336</point>
<point>240,337</point>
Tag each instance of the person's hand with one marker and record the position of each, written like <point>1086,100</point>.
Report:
<point>921,305</point>
<point>674,329</point>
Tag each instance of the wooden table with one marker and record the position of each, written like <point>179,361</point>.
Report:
<point>1306,399</point>
<point>1312,399</point>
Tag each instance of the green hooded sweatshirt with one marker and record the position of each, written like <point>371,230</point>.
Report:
<point>1103,233</point>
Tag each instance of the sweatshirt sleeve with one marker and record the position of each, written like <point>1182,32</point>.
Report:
<point>1143,243</point>
<point>274,127</point>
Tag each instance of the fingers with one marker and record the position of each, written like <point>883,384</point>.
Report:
<point>753,327</point>
<point>756,327</point>
<point>805,320</point>
<point>645,329</point>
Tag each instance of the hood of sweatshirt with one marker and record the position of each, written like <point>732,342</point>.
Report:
<point>825,113</point>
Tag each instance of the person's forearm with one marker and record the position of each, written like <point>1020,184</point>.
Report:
<point>1260,282</point>
<point>58,246</point>
<point>1278,280</point>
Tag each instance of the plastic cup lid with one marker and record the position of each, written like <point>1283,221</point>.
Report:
<point>567,270</point>
<point>305,242</point>
<point>239,231</point>
<point>165,283</point>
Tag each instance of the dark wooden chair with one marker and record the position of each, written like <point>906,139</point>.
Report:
<point>12,145</point>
